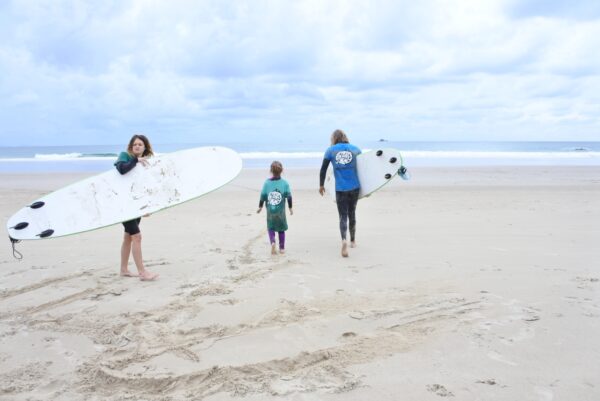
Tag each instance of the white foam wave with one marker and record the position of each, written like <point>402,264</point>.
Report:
<point>281,155</point>
<point>53,158</point>
<point>57,156</point>
<point>500,155</point>
<point>413,154</point>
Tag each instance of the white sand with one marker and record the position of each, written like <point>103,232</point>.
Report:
<point>470,284</point>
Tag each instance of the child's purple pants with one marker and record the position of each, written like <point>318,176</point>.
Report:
<point>281,238</point>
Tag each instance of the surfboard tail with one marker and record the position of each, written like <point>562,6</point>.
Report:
<point>403,173</point>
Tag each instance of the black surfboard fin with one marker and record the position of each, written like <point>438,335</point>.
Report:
<point>20,226</point>
<point>37,205</point>
<point>45,233</point>
<point>388,176</point>
<point>393,160</point>
<point>379,152</point>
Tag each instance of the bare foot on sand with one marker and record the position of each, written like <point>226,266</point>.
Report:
<point>282,251</point>
<point>352,244</point>
<point>148,276</point>
<point>273,249</point>
<point>127,273</point>
<point>345,249</point>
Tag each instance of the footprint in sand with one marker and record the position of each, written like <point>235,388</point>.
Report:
<point>159,262</point>
<point>440,390</point>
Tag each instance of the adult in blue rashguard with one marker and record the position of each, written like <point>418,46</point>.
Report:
<point>342,156</point>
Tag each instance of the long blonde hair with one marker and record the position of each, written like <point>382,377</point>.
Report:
<point>339,136</point>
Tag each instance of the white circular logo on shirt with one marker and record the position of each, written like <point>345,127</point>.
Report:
<point>274,198</point>
<point>343,157</point>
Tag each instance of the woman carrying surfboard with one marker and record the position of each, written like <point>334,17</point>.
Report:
<point>342,156</point>
<point>138,150</point>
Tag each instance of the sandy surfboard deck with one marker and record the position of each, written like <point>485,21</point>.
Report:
<point>110,198</point>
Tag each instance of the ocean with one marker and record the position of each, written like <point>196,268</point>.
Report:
<point>98,158</point>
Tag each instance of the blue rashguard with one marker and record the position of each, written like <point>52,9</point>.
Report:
<point>343,159</point>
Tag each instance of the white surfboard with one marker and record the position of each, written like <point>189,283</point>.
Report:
<point>110,198</point>
<point>375,169</point>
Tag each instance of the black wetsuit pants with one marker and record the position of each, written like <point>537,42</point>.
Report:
<point>346,204</point>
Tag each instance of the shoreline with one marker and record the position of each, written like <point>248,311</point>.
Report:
<point>420,176</point>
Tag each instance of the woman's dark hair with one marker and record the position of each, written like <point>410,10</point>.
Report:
<point>148,148</point>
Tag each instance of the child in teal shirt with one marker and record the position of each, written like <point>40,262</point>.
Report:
<point>275,191</point>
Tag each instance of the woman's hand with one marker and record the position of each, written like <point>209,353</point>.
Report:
<point>259,209</point>
<point>143,161</point>
<point>322,190</point>
<point>291,211</point>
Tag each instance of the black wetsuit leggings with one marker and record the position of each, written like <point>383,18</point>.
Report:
<point>346,204</point>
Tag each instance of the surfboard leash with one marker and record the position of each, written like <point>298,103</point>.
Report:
<point>16,254</point>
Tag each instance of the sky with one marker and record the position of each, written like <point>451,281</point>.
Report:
<point>273,72</point>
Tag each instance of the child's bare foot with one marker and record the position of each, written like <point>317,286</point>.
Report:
<point>344,249</point>
<point>127,273</point>
<point>148,276</point>
<point>273,249</point>
<point>352,244</point>
<point>282,251</point>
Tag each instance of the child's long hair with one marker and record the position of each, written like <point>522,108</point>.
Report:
<point>276,169</point>
<point>148,148</point>
<point>338,136</point>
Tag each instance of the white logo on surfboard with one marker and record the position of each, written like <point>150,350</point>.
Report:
<point>343,157</point>
<point>274,198</point>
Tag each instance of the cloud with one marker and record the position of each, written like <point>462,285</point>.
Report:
<point>94,72</point>
<point>577,10</point>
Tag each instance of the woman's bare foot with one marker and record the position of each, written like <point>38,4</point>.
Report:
<point>148,276</point>
<point>127,273</point>
<point>345,249</point>
<point>282,251</point>
<point>273,249</point>
<point>352,244</point>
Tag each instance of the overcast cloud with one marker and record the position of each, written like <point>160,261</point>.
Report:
<point>79,72</point>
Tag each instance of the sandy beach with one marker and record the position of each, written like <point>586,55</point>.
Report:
<point>478,283</point>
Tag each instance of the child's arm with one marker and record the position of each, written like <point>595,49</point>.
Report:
<point>263,197</point>
<point>260,205</point>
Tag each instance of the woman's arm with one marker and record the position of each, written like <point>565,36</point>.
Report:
<point>125,167</point>
<point>323,172</point>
